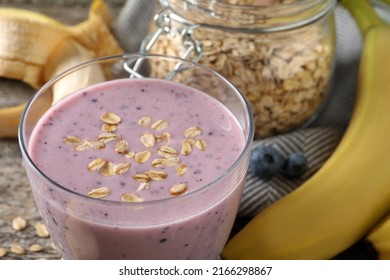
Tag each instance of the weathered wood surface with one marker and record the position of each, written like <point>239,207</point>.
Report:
<point>15,194</point>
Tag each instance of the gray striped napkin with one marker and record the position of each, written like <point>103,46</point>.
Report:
<point>317,144</point>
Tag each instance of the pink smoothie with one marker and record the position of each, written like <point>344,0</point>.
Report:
<point>127,208</point>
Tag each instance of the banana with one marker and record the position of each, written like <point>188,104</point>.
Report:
<point>26,43</point>
<point>94,34</point>
<point>374,246</point>
<point>379,238</point>
<point>70,53</point>
<point>339,204</point>
<point>34,47</point>
<point>9,120</point>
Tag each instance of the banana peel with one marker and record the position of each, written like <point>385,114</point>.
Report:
<point>35,47</point>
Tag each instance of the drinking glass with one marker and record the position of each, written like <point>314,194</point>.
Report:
<point>197,224</point>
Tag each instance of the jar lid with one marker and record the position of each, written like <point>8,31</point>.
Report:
<point>250,15</point>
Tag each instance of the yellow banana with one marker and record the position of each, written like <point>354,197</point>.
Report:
<point>34,47</point>
<point>26,42</point>
<point>375,245</point>
<point>94,34</point>
<point>379,238</point>
<point>27,39</point>
<point>338,205</point>
<point>9,120</point>
<point>66,55</point>
<point>70,53</point>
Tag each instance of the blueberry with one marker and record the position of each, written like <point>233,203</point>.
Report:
<point>265,162</point>
<point>295,166</point>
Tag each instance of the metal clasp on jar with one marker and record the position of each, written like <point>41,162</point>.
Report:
<point>163,22</point>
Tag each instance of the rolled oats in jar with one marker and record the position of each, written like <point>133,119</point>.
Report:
<point>279,53</point>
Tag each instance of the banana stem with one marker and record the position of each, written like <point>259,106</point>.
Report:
<point>363,13</point>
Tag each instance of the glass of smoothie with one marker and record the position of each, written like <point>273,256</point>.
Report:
<point>137,157</point>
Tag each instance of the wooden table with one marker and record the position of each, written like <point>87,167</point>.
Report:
<point>16,198</point>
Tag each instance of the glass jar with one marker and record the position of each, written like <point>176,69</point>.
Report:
<point>279,53</point>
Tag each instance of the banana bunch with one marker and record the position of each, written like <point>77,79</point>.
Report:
<point>35,47</point>
<point>350,194</point>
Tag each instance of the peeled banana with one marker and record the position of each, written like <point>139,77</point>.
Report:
<point>338,205</point>
<point>67,55</point>
<point>34,47</point>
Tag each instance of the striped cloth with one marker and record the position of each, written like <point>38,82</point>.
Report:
<point>133,22</point>
<point>316,142</point>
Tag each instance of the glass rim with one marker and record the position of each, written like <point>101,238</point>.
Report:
<point>55,78</point>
